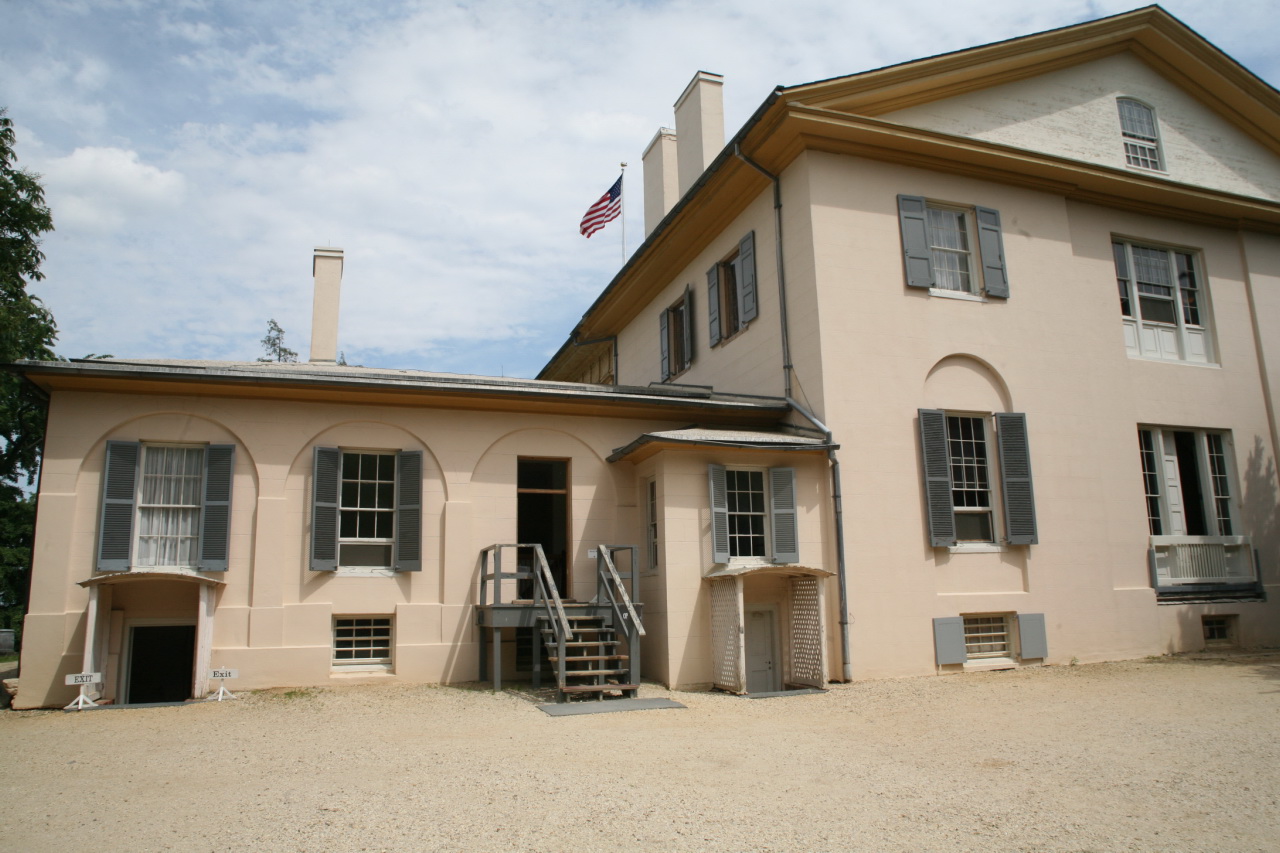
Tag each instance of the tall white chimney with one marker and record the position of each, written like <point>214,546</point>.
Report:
<point>699,126</point>
<point>326,267</point>
<point>661,184</point>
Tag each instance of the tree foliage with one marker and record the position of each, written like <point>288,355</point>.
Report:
<point>26,327</point>
<point>273,344</point>
<point>26,331</point>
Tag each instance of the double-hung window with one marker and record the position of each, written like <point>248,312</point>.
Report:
<point>366,510</point>
<point>165,506</point>
<point>1162,303</point>
<point>731,291</point>
<point>675,336</point>
<point>962,470</point>
<point>952,249</point>
<point>1191,509</point>
<point>753,515</point>
<point>1139,134</point>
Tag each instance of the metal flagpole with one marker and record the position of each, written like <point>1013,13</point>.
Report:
<point>623,194</point>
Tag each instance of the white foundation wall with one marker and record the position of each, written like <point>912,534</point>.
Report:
<point>1053,350</point>
<point>1072,113</point>
<point>273,617</point>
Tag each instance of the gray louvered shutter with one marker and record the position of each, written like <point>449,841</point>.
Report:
<point>995,278</point>
<point>1032,641</point>
<point>1015,479</point>
<point>326,480</point>
<point>912,217</point>
<point>664,345</point>
<point>408,511</point>
<point>719,490</point>
<point>748,306</point>
<point>119,489</point>
<point>215,512</point>
<point>782,500</point>
<point>713,304</point>
<point>688,326</point>
<point>948,640</point>
<point>937,477</point>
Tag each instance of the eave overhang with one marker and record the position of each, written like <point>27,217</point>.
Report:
<point>401,388</point>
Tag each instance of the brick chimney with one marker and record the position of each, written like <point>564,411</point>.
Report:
<point>326,267</point>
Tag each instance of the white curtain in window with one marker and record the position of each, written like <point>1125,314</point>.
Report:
<point>169,511</point>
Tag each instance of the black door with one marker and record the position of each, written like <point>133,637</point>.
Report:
<point>542,516</point>
<point>161,663</point>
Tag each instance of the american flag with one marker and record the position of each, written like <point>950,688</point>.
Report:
<point>605,210</point>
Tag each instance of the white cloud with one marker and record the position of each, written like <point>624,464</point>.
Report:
<point>101,189</point>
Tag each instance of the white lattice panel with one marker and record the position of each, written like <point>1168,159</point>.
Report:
<point>806,632</point>
<point>726,634</point>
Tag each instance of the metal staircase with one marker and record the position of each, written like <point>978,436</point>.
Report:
<point>593,647</point>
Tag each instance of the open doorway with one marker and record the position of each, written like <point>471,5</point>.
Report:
<point>161,663</point>
<point>542,517</point>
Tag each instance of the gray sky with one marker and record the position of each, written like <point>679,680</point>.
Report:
<point>194,153</point>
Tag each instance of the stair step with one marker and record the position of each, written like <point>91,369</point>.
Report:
<point>554,658</point>
<point>597,688</point>
<point>582,673</point>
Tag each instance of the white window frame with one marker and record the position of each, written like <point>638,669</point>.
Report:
<point>141,507</point>
<point>994,497</point>
<point>369,662</point>
<point>1188,337</point>
<point>1142,150</point>
<point>971,252</point>
<point>390,542</point>
<point>1215,469</point>
<point>1006,652</point>
<point>765,515</point>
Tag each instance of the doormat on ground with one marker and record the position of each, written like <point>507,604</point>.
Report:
<point>607,706</point>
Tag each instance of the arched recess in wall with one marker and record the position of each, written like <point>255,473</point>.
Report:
<point>173,428</point>
<point>965,383</point>
<point>592,498</point>
<point>366,436</point>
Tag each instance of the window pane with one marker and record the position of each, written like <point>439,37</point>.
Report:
<point>387,467</point>
<point>350,466</point>
<point>1157,310</point>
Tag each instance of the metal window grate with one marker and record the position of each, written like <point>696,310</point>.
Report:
<point>362,640</point>
<point>986,636</point>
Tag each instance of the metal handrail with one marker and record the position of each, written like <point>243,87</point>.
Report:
<point>546,593</point>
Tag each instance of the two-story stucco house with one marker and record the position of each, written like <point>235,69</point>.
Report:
<point>962,363</point>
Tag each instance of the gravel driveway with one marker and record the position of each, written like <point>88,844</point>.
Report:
<point>1156,755</point>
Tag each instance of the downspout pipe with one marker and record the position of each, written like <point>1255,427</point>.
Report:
<point>837,499</point>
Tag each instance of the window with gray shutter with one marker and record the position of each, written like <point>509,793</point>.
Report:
<point>718,489</point>
<point>1015,478</point>
<point>995,279</point>
<point>748,306</point>
<point>325,478</point>
<point>782,499</point>
<point>215,513</point>
<point>1032,641</point>
<point>119,490</point>
<point>912,218</point>
<point>408,511</point>
<point>948,640</point>
<point>713,304</point>
<point>664,343</point>
<point>937,477</point>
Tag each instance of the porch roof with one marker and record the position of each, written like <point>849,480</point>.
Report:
<point>762,568</point>
<point>652,442</point>
<point>111,578</point>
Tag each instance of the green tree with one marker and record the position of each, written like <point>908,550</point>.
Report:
<point>26,331</point>
<point>273,344</point>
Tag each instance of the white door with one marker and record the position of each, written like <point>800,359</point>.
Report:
<point>763,673</point>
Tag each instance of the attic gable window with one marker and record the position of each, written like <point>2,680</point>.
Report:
<point>1138,130</point>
